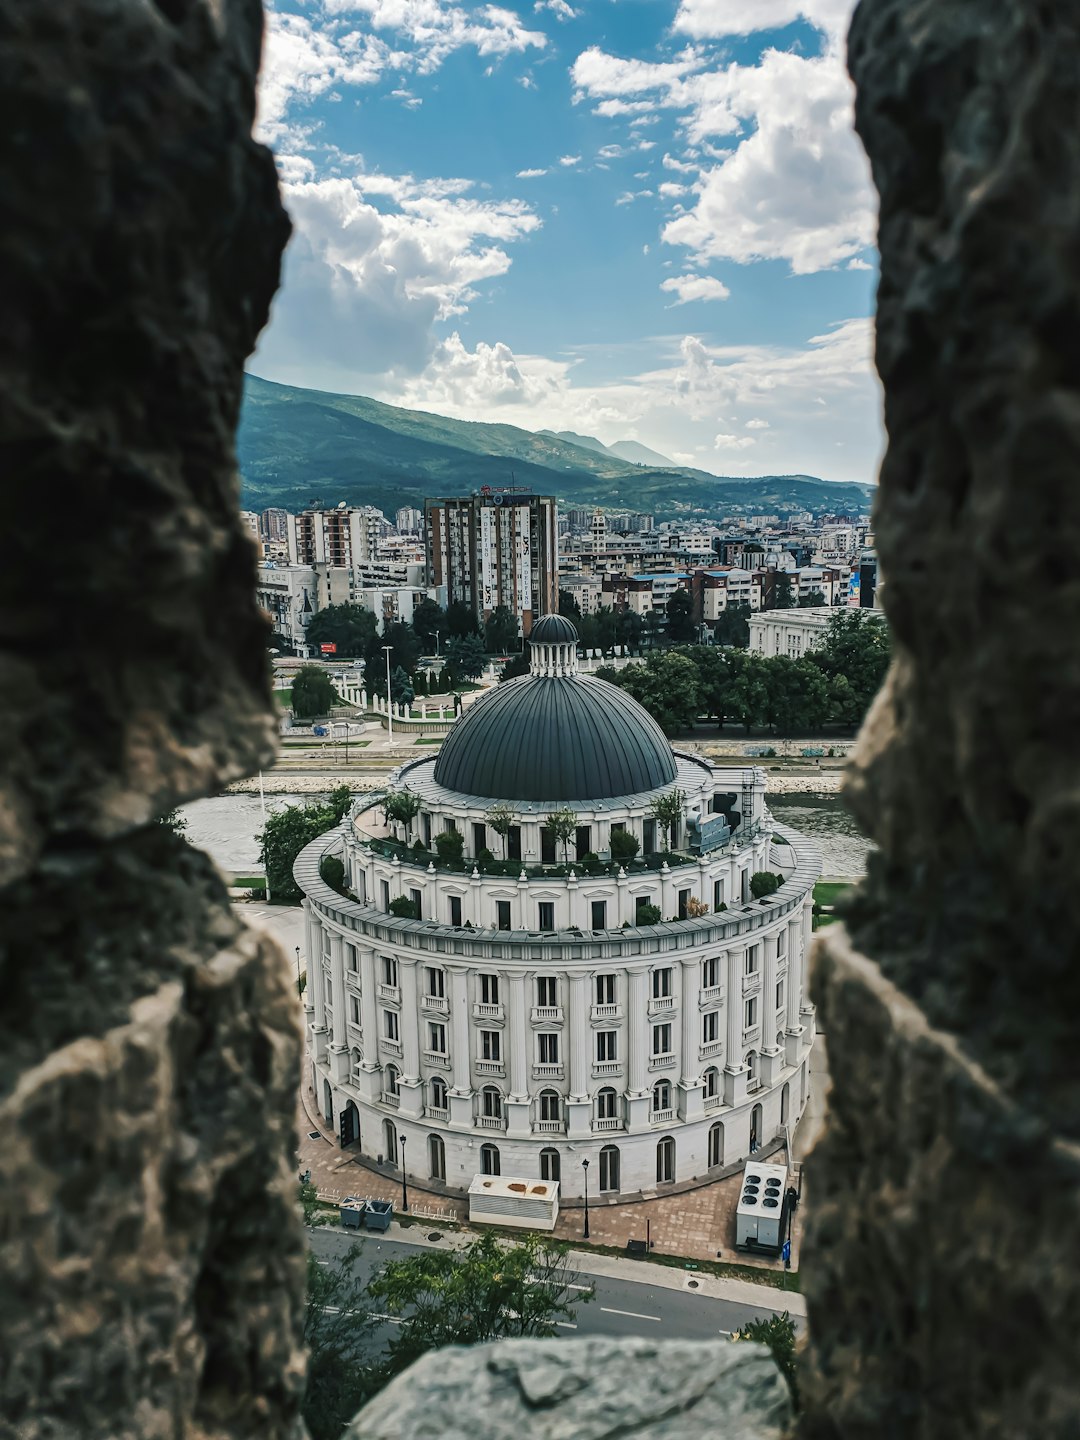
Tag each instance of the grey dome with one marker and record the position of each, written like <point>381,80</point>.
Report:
<point>548,737</point>
<point>553,630</point>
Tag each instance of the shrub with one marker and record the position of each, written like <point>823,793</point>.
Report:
<point>648,915</point>
<point>404,908</point>
<point>589,858</point>
<point>450,846</point>
<point>721,906</point>
<point>624,846</point>
<point>332,871</point>
<point>764,882</point>
<point>486,857</point>
<point>696,908</point>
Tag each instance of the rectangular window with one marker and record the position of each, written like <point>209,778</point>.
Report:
<point>390,1025</point>
<point>425,830</point>
<point>582,841</point>
<point>606,1102</point>
<point>490,1045</point>
<point>752,959</point>
<point>605,989</point>
<point>710,972</point>
<point>513,843</point>
<point>436,982</point>
<point>751,1014</point>
<point>548,1047</point>
<point>545,990</point>
<point>479,838</point>
<point>661,984</point>
<point>489,989</point>
<point>547,914</point>
<point>641,902</point>
<point>389,970</point>
<point>710,1028</point>
<point>781,945</point>
<point>648,843</point>
<point>437,1038</point>
<point>350,958</point>
<point>384,893</point>
<point>418,900</point>
<point>450,825</point>
<point>606,1045</point>
<point>547,847</point>
<point>599,914</point>
<point>717,894</point>
<point>661,1039</point>
<point>684,903</point>
<point>779,994</point>
<point>354,1010</point>
<point>502,911</point>
<point>328,992</point>
<point>455,910</point>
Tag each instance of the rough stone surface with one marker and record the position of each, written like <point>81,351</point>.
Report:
<point>152,1265</point>
<point>140,235</point>
<point>584,1390</point>
<point>944,1196</point>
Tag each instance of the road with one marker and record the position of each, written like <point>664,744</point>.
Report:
<point>621,1307</point>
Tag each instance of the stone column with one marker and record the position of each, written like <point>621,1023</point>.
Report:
<point>412,1103</point>
<point>637,1031</point>
<point>735,1073</point>
<point>516,1039</point>
<point>690,1078</point>
<point>339,1035</point>
<point>794,1032</point>
<point>460,1055</point>
<point>579,1109</point>
<point>772,1057</point>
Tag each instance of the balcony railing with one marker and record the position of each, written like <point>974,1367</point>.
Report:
<point>438,1003</point>
<point>606,1067</point>
<point>437,1057</point>
<point>436,1112</point>
<point>391,1099</point>
<point>712,1047</point>
<point>391,993</point>
<point>661,1117</point>
<point>614,1123</point>
<point>551,1127</point>
<point>605,1012</point>
<point>392,1047</point>
<point>711,995</point>
<point>490,1067</point>
<point>487,1012</point>
<point>661,1002</point>
<point>491,1122</point>
<point>546,1014</point>
<point>713,1102</point>
<point>661,1062</point>
<point>548,1072</point>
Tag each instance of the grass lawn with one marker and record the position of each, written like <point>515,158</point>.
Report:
<point>283,697</point>
<point>431,740</point>
<point>827,892</point>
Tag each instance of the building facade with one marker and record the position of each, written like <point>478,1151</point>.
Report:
<point>342,538</point>
<point>496,547</point>
<point>537,1003</point>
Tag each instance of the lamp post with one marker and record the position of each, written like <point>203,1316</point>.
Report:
<point>389,700</point>
<point>404,1184</point>
<point>585,1167</point>
<point>299,987</point>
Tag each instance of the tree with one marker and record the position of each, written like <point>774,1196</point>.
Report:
<point>405,651</point>
<point>313,692</point>
<point>429,621</point>
<point>778,1333</point>
<point>350,627</point>
<point>812,598</point>
<point>518,664</point>
<point>332,870</point>
<point>783,596</point>
<point>668,811</point>
<point>402,807</point>
<point>401,690</point>
<point>733,626</point>
<point>680,617</point>
<point>501,630</point>
<point>562,824</point>
<point>404,908</point>
<point>797,694</point>
<point>500,817</point>
<point>568,606</point>
<point>652,628</point>
<point>764,882</point>
<point>285,835</point>
<point>624,846</point>
<point>628,629</point>
<point>666,685</point>
<point>460,620</point>
<point>465,658</point>
<point>488,1290</point>
<point>174,821</point>
<point>342,1371</point>
<point>450,846</point>
<point>856,646</point>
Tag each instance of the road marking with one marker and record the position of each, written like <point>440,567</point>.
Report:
<point>565,1325</point>
<point>631,1314</point>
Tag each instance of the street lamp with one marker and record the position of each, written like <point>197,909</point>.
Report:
<point>404,1185</point>
<point>299,987</point>
<point>585,1167</point>
<point>389,701</point>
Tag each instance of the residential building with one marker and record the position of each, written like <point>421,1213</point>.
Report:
<point>289,595</point>
<point>341,538</point>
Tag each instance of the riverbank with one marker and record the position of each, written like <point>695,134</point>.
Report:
<point>825,782</point>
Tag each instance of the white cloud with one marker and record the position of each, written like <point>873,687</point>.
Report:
<point>610,152</point>
<point>569,160</point>
<point>757,425</point>
<point>670,191</point>
<point>857,264</point>
<point>435,29</point>
<point>302,61</point>
<point>530,174</point>
<point>713,19</point>
<point>376,262</point>
<point>695,287</point>
<point>526,82</point>
<point>559,8</point>
<point>732,442</point>
<point>795,184</point>
<point>641,108</point>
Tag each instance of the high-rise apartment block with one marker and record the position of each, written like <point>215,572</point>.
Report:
<point>347,536</point>
<point>496,547</point>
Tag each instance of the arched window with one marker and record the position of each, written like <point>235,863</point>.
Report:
<point>665,1160</point>
<point>712,1082</point>
<point>328,1103</point>
<point>438,1093</point>
<point>550,1106</point>
<point>716,1145</point>
<point>661,1097</point>
<point>785,1100</point>
<point>356,1060</point>
<point>489,1160</point>
<point>491,1100</point>
<point>436,1157</point>
<point>392,1080</point>
<point>609,1168</point>
<point>607,1104</point>
<point>389,1142</point>
<point>751,1063</point>
<point>550,1167</point>
<point>755,1128</point>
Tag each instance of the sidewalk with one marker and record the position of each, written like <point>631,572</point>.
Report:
<point>696,1225</point>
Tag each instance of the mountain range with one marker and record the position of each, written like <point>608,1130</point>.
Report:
<point>296,446</point>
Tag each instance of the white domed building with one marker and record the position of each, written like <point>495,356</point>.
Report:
<point>536,1003</point>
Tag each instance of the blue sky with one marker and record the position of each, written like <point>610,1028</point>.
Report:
<point>636,219</point>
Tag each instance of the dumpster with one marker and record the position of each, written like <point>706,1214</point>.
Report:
<point>352,1216</point>
<point>378,1214</point>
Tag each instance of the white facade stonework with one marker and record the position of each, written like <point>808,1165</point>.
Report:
<point>525,1022</point>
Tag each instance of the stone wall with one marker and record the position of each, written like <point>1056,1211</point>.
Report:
<point>943,1197</point>
<point>151,1260</point>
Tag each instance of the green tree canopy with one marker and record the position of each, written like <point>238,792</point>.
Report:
<point>568,606</point>
<point>562,824</point>
<point>460,620</point>
<point>465,658</point>
<point>517,664</point>
<point>811,599</point>
<point>428,621</point>
<point>668,810</point>
<point>313,692</point>
<point>680,617</point>
<point>287,832</point>
<point>501,630</point>
<point>856,646</point>
<point>733,626</point>
<point>783,595</point>
<point>350,627</point>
